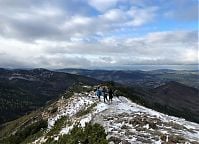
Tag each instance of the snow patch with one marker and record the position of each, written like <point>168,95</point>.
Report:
<point>85,120</point>
<point>66,129</point>
<point>116,119</point>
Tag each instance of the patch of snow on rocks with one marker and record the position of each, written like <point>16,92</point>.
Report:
<point>85,120</point>
<point>125,121</point>
<point>74,105</point>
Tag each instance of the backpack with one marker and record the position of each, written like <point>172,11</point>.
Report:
<point>99,93</point>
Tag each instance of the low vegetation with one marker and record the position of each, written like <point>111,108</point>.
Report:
<point>86,111</point>
<point>10,127</point>
<point>90,134</point>
<point>21,135</point>
<point>59,124</point>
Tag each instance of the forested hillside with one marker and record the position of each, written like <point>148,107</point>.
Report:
<point>22,91</point>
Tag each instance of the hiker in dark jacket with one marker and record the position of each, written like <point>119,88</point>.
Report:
<point>110,93</point>
<point>104,92</point>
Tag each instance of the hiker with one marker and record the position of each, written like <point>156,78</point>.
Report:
<point>104,92</point>
<point>98,93</point>
<point>110,93</point>
<point>116,93</point>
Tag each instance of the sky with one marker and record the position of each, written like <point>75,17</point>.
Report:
<point>97,34</point>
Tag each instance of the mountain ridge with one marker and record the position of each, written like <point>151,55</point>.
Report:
<point>122,120</point>
<point>149,79</point>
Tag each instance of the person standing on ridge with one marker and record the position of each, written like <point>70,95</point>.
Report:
<point>110,93</point>
<point>104,92</point>
<point>98,93</point>
<point>116,93</point>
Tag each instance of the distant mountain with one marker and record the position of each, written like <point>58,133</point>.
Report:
<point>171,98</point>
<point>163,71</point>
<point>146,79</point>
<point>22,91</point>
<point>130,78</point>
<point>178,97</point>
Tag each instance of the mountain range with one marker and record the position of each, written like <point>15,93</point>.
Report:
<point>146,79</point>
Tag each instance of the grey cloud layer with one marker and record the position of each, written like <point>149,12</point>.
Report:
<point>30,20</point>
<point>79,33</point>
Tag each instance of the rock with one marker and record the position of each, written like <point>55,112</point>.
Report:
<point>129,133</point>
<point>116,140</point>
<point>176,139</point>
<point>119,121</point>
<point>125,142</point>
<point>123,115</point>
<point>110,118</point>
<point>152,125</point>
<point>143,140</point>
<point>125,127</point>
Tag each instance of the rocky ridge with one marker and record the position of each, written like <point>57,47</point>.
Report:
<point>125,122</point>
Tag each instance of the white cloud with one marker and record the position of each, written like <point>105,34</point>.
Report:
<point>141,16</point>
<point>169,47</point>
<point>78,33</point>
<point>30,21</point>
<point>115,15</point>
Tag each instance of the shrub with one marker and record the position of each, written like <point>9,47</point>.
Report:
<point>90,134</point>
<point>59,124</point>
<point>86,111</point>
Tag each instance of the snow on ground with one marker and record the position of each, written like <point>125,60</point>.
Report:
<point>66,129</point>
<point>70,107</point>
<point>23,78</point>
<point>85,120</point>
<point>131,122</point>
<point>125,121</point>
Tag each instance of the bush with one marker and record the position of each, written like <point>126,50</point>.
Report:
<point>59,124</point>
<point>91,134</point>
<point>86,111</point>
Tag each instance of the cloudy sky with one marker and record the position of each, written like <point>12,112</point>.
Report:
<point>98,33</point>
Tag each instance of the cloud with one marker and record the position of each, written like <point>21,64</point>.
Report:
<point>29,21</point>
<point>103,5</point>
<point>183,10</point>
<point>168,46</point>
<point>114,15</point>
<point>141,16</point>
<point>79,33</point>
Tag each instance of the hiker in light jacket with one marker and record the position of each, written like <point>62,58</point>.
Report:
<point>98,93</point>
